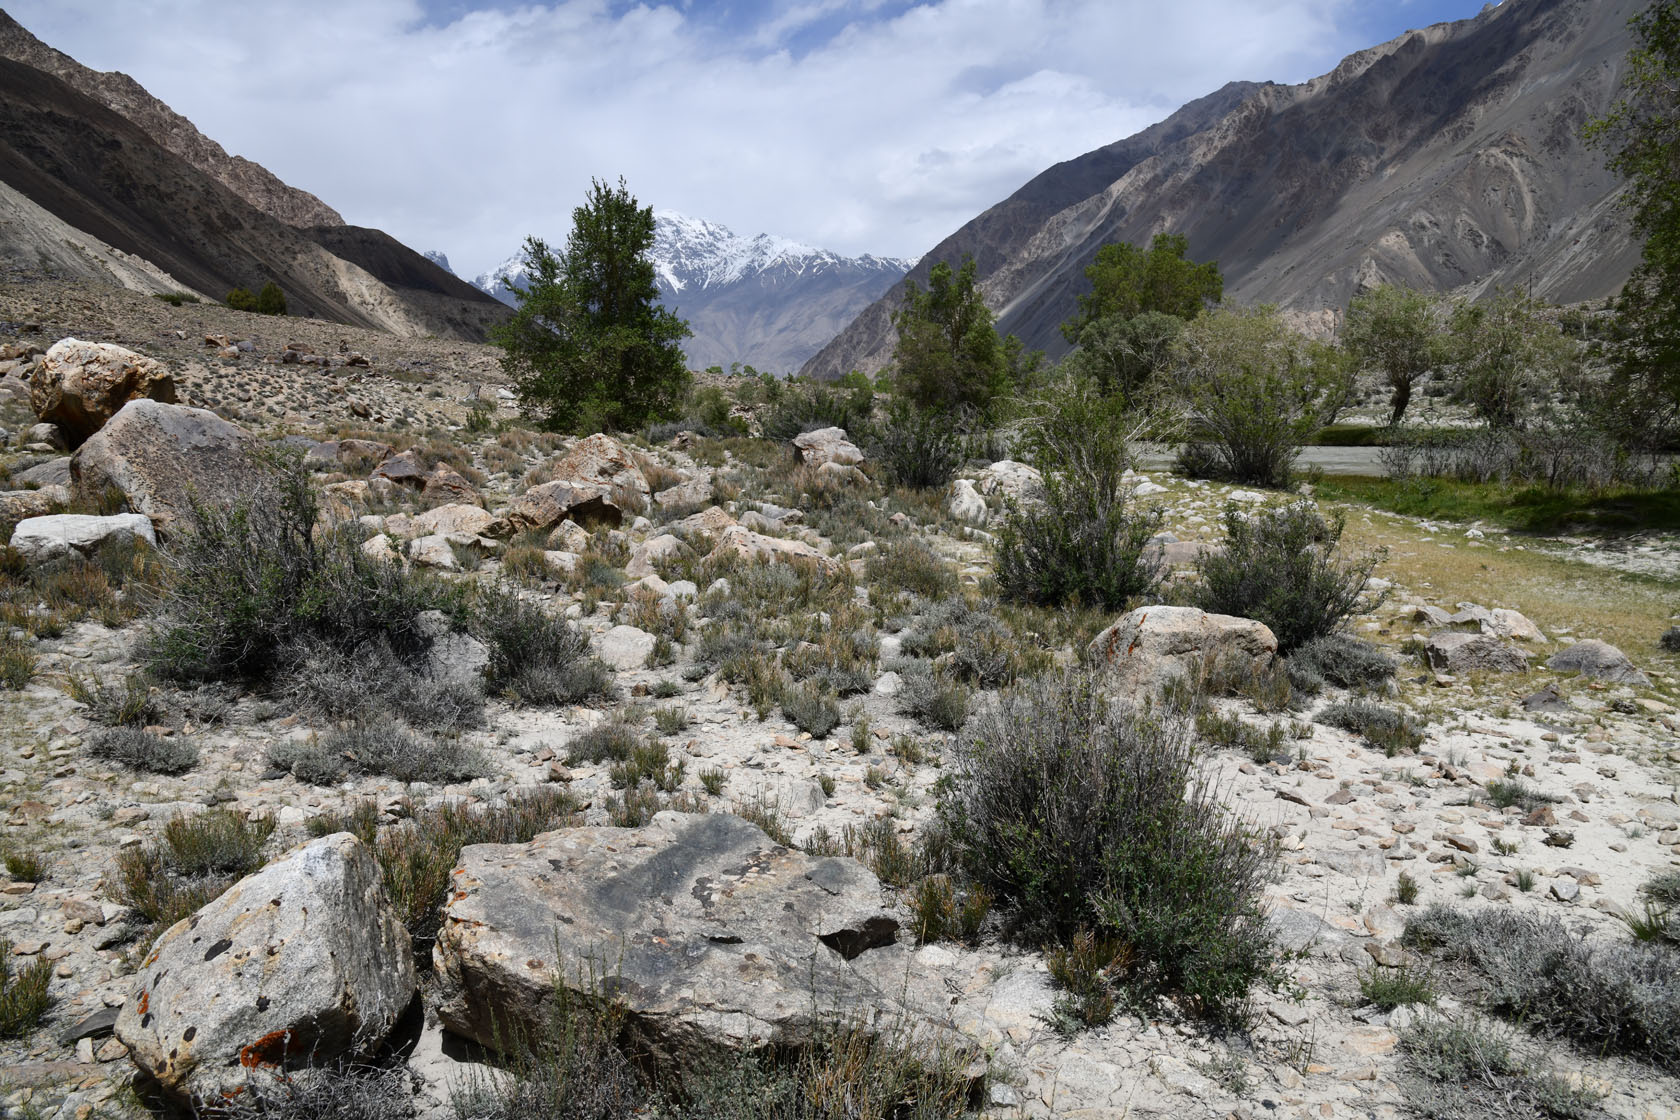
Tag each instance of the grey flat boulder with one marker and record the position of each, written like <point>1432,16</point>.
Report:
<point>1454,651</point>
<point>64,536</point>
<point>299,964</point>
<point>1599,660</point>
<point>713,935</point>
<point>163,457</point>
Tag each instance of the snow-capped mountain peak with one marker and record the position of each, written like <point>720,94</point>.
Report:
<point>692,254</point>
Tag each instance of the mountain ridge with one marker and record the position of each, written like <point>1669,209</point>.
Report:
<point>1448,158</point>
<point>766,301</point>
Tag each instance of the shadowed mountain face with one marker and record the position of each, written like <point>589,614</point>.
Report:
<point>1449,158</point>
<point>127,98</point>
<point>99,173</point>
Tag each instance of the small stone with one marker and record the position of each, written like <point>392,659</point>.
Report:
<point>1565,891</point>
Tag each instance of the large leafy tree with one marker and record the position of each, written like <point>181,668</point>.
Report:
<point>590,347</point>
<point>1139,301</point>
<point>1128,280</point>
<point>1642,134</point>
<point>1397,332</point>
<point>1510,360</point>
<point>949,355</point>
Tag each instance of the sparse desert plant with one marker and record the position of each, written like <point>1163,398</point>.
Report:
<point>1397,986</point>
<point>1386,729</point>
<point>24,998</point>
<point>26,867</point>
<point>921,449</point>
<point>1077,815</point>
<point>197,859</point>
<point>1466,1067</point>
<point>536,658</point>
<point>908,564</point>
<point>144,750</point>
<point>17,664</point>
<point>1609,996</point>
<point>379,750</point>
<point>341,1091</point>
<point>1087,970</point>
<point>712,781</point>
<point>1406,889</point>
<point>1502,793</point>
<point>612,741</point>
<point>927,695</point>
<point>1344,661</point>
<point>812,709</point>
<point>1281,567</point>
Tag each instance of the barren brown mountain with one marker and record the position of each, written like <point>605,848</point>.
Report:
<point>1448,158</point>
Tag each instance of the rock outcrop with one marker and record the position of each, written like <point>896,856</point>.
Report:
<point>44,540</point>
<point>1151,646</point>
<point>80,385</point>
<point>162,458</point>
<point>714,936</point>
<point>295,965</point>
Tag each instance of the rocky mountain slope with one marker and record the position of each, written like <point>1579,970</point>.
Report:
<point>764,301</point>
<point>109,186</point>
<point>126,97</point>
<point>1448,158</point>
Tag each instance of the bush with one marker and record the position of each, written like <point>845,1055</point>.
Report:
<point>930,697</point>
<point>24,997</point>
<point>198,858</point>
<point>371,682</point>
<point>1670,639</point>
<point>812,709</point>
<point>1384,728</point>
<point>1084,543</point>
<point>1400,986</point>
<point>1257,392</point>
<point>1280,567</point>
<point>251,582</point>
<point>1079,816</point>
<point>1467,1070</point>
<point>920,450</point>
<point>1344,661</point>
<point>17,664</point>
<point>144,751</point>
<point>536,658</point>
<point>378,750</point>
<point>335,1092</point>
<point>1609,997</point>
<point>907,564</point>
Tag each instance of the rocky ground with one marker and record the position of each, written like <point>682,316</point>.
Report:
<point>1349,819</point>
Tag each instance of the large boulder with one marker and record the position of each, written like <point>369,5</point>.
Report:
<point>625,648</point>
<point>1014,481</point>
<point>457,517</point>
<point>43,540</point>
<point>81,385</point>
<point>1151,646</point>
<point>741,543</point>
<point>827,445</point>
<point>966,504</point>
<point>547,505</point>
<point>602,461</point>
<point>16,505</point>
<point>1599,660</point>
<point>714,936</point>
<point>163,457</point>
<point>299,964</point>
<point>1454,651</point>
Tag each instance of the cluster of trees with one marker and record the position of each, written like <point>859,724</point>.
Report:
<point>270,300</point>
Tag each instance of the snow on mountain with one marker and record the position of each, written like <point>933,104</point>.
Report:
<point>767,301</point>
<point>439,258</point>
<point>692,254</point>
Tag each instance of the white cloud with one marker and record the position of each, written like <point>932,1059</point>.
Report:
<point>884,137</point>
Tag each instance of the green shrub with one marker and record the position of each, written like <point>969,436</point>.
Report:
<point>1502,793</point>
<point>253,581</point>
<point>26,867</point>
<point>982,649</point>
<point>812,709</point>
<point>536,658</point>
<point>24,998</point>
<point>1078,816</point>
<point>907,564</point>
<point>1385,729</point>
<point>921,450</point>
<point>142,750</point>
<point>1608,996</point>
<point>197,859</point>
<point>1670,640</point>
<point>1388,988</point>
<point>372,682</point>
<point>17,664</point>
<point>1280,567</point>
<point>1085,543</point>
<point>611,741</point>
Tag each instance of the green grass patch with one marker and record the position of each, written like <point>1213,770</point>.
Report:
<point>1528,509</point>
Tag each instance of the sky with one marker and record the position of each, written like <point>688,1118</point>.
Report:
<point>863,126</point>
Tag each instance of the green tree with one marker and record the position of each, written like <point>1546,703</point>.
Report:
<point>949,355</point>
<point>1642,134</point>
<point>271,300</point>
<point>1397,332</point>
<point>1128,281</point>
<point>241,299</point>
<point>1121,356</point>
<point>1256,391</point>
<point>590,347</point>
<point>1510,361</point>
